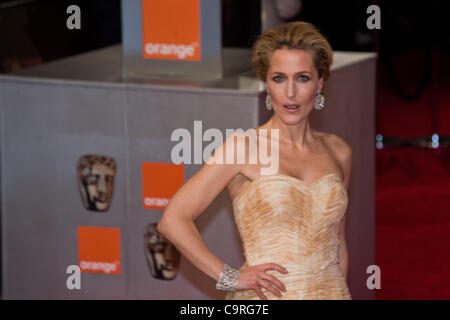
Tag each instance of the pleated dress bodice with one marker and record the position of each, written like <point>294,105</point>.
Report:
<point>284,220</point>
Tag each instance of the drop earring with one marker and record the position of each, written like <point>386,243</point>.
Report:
<point>319,101</point>
<point>268,101</point>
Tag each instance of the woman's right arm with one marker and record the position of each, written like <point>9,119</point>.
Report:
<point>190,201</point>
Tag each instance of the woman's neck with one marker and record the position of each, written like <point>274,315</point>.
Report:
<point>299,135</point>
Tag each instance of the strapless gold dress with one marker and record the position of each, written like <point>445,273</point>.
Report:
<point>284,220</point>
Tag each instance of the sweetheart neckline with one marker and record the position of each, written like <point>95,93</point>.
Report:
<point>289,177</point>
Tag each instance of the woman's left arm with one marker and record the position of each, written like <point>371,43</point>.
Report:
<point>343,252</point>
<point>345,158</point>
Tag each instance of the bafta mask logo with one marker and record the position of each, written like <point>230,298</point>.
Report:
<point>96,181</point>
<point>162,257</point>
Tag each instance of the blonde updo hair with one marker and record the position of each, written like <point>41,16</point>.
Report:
<point>292,35</point>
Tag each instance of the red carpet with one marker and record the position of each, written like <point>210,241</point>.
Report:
<point>413,196</point>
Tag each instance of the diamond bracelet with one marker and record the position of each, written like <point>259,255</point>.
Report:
<point>228,279</point>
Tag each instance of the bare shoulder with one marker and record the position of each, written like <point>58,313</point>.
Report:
<point>341,148</point>
<point>234,143</point>
<point>337,146</point>
<point>342,152</point>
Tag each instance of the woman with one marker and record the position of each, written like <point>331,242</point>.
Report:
<point>292,223</point>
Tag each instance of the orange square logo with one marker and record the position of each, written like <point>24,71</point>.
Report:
<point>171,29</point>
<point>99,250</point>
<point>160,181</point>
